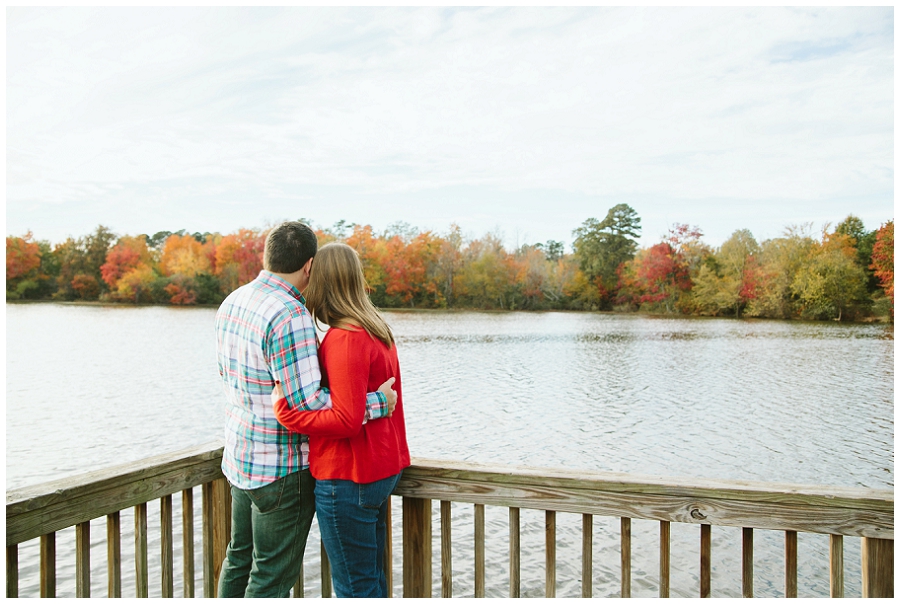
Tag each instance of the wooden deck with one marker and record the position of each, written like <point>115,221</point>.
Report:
<point>40,511</point>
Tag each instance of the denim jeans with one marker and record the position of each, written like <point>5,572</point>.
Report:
<point>269,527</point>
<point>353,522</point>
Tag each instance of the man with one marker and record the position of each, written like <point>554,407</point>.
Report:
<point>265,334</point>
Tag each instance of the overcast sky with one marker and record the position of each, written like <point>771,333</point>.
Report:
<point>520,121</point>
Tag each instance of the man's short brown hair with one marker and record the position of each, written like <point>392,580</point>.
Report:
<point>289,246</point>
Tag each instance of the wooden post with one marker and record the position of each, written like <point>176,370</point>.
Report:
<point>626,557</point>
<point>836,558</point>
<point>416,548</point>
<point>83,560</point>
<point>140,551</point>
<point>479,550</point>
<point>12,571</point>
<point>114,555</point>
<point>221,524</point>
<point>587,555</point>
<point>705,559</point>
<point>747,562</point>
<point>790,564</point>
<point>550,538</point>
<point>187,530</point>
<point>877,568</point>
<point>298,584</point>
<point>665,557</point>
<point>48,565</point>
<point>389,550</point>
<point>209,573</point>
<point>514,554</point>
<point>446,552</point>
<point>167,556</point>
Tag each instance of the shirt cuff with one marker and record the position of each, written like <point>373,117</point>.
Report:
<point>376,406</point>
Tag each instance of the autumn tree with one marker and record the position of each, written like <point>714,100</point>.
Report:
<point>183,255</point>
<point>830,282</point>
<point>23,263</point>
<point>124,256</point>
<point>82,258</point>
<point>601,246</point>
<point>779,261</point>
<point>655,278</point>
<point>728,279</point>
<point>239,258</point>
<point>883,261</point>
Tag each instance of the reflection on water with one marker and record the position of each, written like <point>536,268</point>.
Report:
<point>759,400</point>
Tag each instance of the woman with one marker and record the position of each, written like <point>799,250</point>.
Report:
<point>356,465</point>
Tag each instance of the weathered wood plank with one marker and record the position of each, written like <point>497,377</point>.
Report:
<point>446,552</point>
<point>515,556</point>
<point>209,569</point>
<point>587,555</point>
<point>416,547</point>
<point>167,549</point>
<point>325,565</point>
<point>298,584</point>
<point>53,506</point>
<point>221,511</point>
<point>12,571</point>
<point>187,538</point>
<point>836,565</point>
<point>550,538</point>
<point>665,558</point>
<point>790,564</point>
<point>775,510</point>
<point>114,555</point>
<point>479,550</point>
<point>747,562</point>
<point>705,560</point>
<point>389,551</point>
<point>625,550</point>
<point>83,560</point>
<point>48,565</point>
<point>142,580</point>
<point>878,568</point>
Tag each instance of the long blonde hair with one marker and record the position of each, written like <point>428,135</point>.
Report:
<point>337,292</point>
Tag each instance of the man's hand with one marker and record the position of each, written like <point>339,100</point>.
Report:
<point>390,394</point>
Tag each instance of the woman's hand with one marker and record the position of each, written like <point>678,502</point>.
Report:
<point>390,394</point>
<point>277,393</point>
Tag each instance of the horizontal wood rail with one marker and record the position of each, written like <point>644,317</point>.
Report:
<point>39,511</point>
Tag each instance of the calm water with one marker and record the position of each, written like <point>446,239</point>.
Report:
<point>794,402</point>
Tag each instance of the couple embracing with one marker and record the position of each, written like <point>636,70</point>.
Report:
<point>308,428</point>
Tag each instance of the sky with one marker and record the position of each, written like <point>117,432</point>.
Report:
<point>522,122</point>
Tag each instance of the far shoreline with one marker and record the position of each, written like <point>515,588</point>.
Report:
<point>102,304</point>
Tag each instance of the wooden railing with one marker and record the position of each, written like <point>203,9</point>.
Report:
<point>39,512</point>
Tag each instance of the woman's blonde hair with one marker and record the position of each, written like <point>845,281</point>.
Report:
<point>337,292</point>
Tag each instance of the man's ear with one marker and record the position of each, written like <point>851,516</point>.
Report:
<point>307,267</point>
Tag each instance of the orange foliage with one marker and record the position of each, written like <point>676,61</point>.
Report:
<point>239,258</point>
<point>126,255</point>
<point>183,255</point>
<point>136,284</point>
<point>22,256</point>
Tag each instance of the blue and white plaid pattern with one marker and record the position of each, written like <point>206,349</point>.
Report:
<point>264,333</point>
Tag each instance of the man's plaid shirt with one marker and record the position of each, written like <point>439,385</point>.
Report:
<point>264,333</point>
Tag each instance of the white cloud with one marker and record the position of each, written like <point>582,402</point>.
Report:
<point>693,106</point>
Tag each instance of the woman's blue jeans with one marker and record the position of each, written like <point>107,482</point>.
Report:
<point>353,523</point>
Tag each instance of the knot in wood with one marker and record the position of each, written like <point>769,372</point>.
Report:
<point>695,513</point>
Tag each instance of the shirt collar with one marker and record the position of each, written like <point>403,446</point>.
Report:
<point>273,280</point>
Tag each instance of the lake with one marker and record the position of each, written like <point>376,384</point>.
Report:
<point>797,402</point>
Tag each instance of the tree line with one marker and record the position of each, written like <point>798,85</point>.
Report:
<point>844,273</point>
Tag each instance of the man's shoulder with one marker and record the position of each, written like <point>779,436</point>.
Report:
<point>267,303</point>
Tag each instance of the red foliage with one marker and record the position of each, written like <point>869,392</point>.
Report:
<point>119,261</point>
<point>181,295</point>
<point>22,256</point>
<point>883,260</point>
<point>86,287</point>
